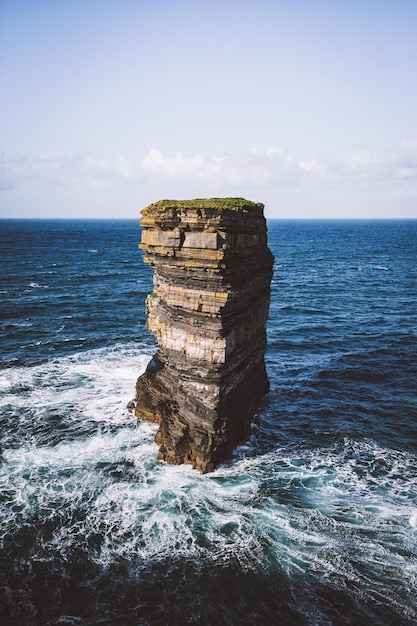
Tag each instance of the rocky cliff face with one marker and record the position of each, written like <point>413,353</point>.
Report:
<point>208,312</point>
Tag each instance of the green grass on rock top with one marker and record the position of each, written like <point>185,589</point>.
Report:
<point>233,204</point>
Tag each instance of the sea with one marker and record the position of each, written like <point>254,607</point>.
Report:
<point>314,519</point>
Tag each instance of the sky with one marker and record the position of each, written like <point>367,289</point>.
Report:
<point>309,106</point>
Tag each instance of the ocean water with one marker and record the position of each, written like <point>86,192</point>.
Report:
<point>314,520</point>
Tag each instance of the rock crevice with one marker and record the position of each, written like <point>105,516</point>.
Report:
<point>208,313</point>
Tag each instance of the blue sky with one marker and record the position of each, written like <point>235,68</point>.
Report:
<point>306,105</point>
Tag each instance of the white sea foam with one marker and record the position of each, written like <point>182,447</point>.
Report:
<point>342,513</point>
<point>98,383</point>
<point>413,519</point>
<point>34,285</point>
<point>142,509</point>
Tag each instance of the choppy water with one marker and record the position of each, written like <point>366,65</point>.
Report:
<point>313,522</point>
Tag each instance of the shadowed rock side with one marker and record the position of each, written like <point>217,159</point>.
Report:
<point>208,312</point>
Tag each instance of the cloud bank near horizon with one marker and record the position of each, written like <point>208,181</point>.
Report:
<point>270,172</point>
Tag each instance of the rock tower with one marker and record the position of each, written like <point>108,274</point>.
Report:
<point>208,312</point>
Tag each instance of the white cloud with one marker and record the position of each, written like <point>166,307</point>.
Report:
<point>278,169</point>
<point>76,172</point>
<point>391,172</point>
<point>254,167</point>
<point>155,164</point>
<point>369,170</point>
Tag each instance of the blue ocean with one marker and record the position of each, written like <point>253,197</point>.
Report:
<point>314,519</point>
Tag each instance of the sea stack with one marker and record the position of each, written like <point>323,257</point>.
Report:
<point>208,313</point>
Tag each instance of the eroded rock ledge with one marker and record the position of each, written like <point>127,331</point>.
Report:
<point>208,312</point>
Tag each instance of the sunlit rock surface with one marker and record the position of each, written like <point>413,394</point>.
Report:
<point>208,312</point>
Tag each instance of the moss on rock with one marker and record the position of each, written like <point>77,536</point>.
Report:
<point>231,204</point>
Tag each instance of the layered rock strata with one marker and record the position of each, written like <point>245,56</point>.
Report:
<point>208,312</point>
